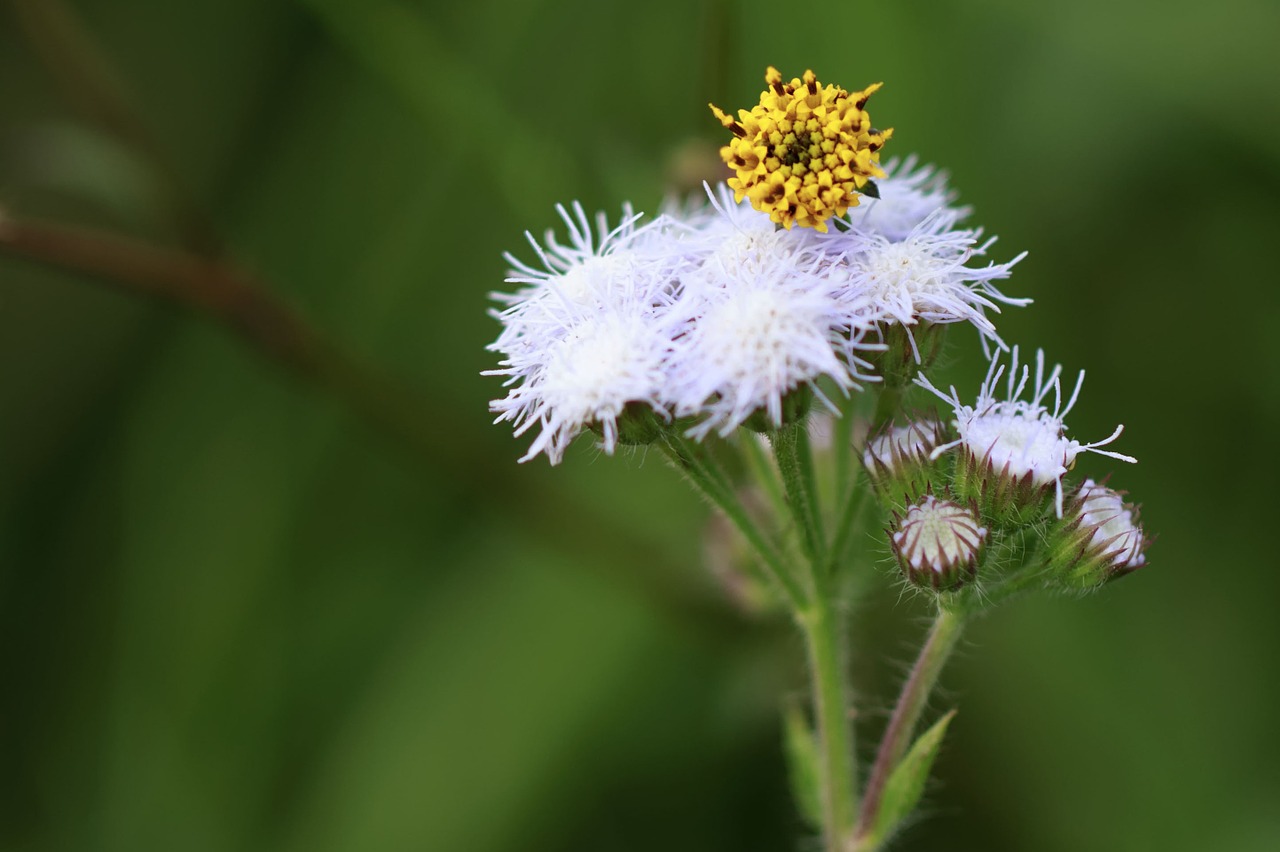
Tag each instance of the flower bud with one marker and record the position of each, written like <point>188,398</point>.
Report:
<point>1098,538</point>
<point>898,460</point>
<point>938,543</point>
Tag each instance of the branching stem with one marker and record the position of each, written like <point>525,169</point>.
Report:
<point>708,480</point>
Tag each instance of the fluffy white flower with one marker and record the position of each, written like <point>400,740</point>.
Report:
<point>755,321</point>
<point>599,269</point>
<point>924,276</point>
<point>576,269</point>
<point>1018,437</point>
<point>908,196</point>
<point>701,225</point>
<point>585,335</point>
<point>1116,533</point>
<point>586,376</point>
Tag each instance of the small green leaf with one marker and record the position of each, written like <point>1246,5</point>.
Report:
<point>905,786</point>
<point>802,764</point>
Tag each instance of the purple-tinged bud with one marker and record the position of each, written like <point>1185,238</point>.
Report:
<point>938,543</point>
<point>898,460</point>
<point>1099,538</point>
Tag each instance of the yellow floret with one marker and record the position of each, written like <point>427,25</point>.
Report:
<point>803,153</point>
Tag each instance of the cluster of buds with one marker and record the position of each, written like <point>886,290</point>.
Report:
<point>996,468</point>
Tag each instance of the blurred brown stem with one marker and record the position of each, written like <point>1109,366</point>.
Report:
<point>231,297</point>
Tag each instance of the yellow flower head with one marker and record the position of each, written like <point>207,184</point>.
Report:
<point>804,152</point>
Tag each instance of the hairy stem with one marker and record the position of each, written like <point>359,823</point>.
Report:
<point>824,631</point>
<point>763,471</point>
<point>824,628</point>
<point>937,648</point>
<point>848,519</point>
<point>795,463</point>
<point>842,443</point>
<point>853,487</point>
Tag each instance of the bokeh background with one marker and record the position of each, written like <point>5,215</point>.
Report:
<point>235,615</point>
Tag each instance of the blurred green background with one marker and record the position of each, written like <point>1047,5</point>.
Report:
<point>235,616</point>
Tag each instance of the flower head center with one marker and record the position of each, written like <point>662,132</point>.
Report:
<point>794,149</point>
<point>903,269</point>
<point>1021,437</point>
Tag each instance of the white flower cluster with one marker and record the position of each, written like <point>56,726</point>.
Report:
<point>711,312</point>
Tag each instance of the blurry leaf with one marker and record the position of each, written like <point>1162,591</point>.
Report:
<point>802,764</point>
<point>906,784</point>
<point>82,163</point>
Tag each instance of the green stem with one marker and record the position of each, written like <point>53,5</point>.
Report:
<point>710,482</point>
<point>804,454</point>
<point>852,484</point>
<point>842,442</point>
<point>763,471</point>
<point>824,635</point>
<point>847,521</point>
<point>937,648</point>
<point>795,463</point>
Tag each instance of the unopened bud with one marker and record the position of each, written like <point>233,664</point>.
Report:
<point>898,460</point>
<point>938,543</point>
<point>1098,539</point>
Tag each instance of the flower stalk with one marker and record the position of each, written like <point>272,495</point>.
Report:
<point>933,656</point>
<point>824,630</point>
<point>795,462</point>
